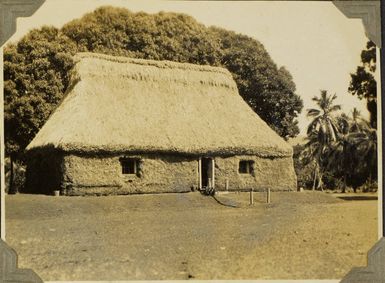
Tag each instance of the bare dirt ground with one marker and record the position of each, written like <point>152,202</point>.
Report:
<point>303,235</point>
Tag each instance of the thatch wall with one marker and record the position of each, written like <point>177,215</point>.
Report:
<point>101,175</point>
<point>85,175</point>
<point>75,174</point>
<point>274,173</point>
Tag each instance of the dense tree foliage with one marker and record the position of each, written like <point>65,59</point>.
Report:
<point>269,91</point>
<point>36,68</point>
<point>35,77</point>
<point>363,83</point>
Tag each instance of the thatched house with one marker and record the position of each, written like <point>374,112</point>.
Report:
<point>139,126</point>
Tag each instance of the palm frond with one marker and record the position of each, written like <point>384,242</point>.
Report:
<point>334,108</point>
<point>313,112</point>
<point>312,127</point>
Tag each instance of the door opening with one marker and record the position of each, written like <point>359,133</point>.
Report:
<point>207,172</point>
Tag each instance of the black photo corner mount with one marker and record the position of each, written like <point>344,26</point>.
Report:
<point>9,272</point>
<point>10,10</point>
<point>372,14</point>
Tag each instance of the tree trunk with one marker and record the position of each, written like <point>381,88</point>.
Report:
<point>370,182</point>
<point>320,184</point>
<point>344,187</point>
<point>11,189</point>
<point>371,105</point>
<point>345,165</point>
<point>315,177</point>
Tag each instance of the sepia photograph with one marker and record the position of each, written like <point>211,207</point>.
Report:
<point>191,140</point>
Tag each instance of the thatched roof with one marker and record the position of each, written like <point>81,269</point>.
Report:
<point>118,104</point>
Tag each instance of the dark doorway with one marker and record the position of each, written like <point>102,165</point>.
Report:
<point>206,172</point>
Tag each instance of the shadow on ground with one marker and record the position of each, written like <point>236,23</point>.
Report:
<point>359,198</point>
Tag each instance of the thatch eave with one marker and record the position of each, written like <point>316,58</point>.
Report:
<point>87,150</point>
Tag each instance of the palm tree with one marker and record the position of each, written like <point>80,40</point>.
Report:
<point>357,122</point>
<point>324,122</point>
<point>341,152</point>
<point>322,132</point>
<point>341,149</point>
<point>354,153</point>
<point>313,153</point>
<point>365,138</point>
<point>365,143</point>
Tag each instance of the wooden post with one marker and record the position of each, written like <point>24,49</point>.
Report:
<point>268,195</point>
<point>251,197</point>
<point>212,173</point>
<point>227,184</point>
<point>300,189</point>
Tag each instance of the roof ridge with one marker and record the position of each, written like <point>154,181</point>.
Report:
<point>164,64</point>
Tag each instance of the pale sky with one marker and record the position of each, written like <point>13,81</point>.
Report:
<point>313,40</point>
